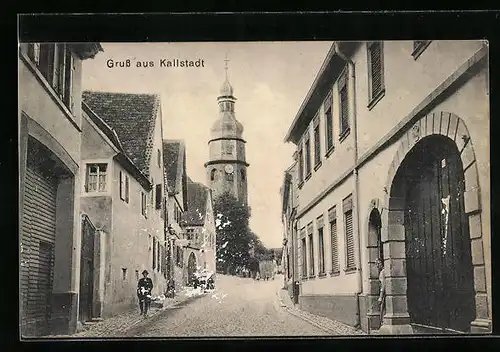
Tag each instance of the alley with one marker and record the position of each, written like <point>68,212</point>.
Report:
<point>238,307</point>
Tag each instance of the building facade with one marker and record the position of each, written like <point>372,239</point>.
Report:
<point>199,225</point>
<point>176,203</point>
<point>50,122</point>
<point>226,169</point>
<point>394,164</point>
<point>122,197</point>
<point>288,209</point>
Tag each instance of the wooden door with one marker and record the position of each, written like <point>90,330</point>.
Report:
<point>87,271</point>
<point>438,255</point>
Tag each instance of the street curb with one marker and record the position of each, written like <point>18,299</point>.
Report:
<point>298,315</point>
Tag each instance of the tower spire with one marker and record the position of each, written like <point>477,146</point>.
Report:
<point>226,60</point>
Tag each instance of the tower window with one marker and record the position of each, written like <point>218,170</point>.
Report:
<point>213,175</point>
<point>242,172</point>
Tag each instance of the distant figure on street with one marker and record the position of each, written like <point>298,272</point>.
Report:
<point>381,298</point>
<point>144,288</point>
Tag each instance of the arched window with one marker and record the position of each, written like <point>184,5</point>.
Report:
<point>213,175</point>
<point>242,172</point>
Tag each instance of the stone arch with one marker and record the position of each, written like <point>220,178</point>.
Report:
<point>452,127</point>
<point>373,226</point>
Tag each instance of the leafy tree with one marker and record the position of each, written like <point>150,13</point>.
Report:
<point>233,233</point>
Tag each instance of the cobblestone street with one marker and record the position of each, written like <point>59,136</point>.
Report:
<point>240,307</point>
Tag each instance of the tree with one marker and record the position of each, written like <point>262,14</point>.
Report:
<point>234,236</point>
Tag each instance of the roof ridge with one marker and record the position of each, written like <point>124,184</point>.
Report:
<point>150,139</point>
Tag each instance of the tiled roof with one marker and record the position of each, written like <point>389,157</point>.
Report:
<point>133,118</point>
<point>197,204</point>
<point>174,164</point>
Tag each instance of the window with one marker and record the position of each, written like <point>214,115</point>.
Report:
<point>375,52</point>
<point>159,198</point>
<point>321,248</point>
<point>56,64</point>
<point>213,175</point>
<point>229,176</point>
<point>344,104</point>
<point>419,47</point>
<point>96,178</point>
<point>304,255</point>
<point>317,143</point>
<point>189,233</point>
<point>242,173</point>
<point>137,274</point>
<point>301,164</point>
<point>228,147</point>
<point>349,235</point>
<point>34,52</point>
<point>179,256</point>
<point>152,194</point>
<point>327,107</point>
<point>311,255</point>
<point>154,253</point>
<point>123,186</point>
<point>144,204</point>
<point>124,274</point>
<point>334,241</point>
<point>158,256</point>
<point>308,156</point>
<point>159,158</point>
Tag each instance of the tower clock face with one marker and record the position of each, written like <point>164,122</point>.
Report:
<point>229,169</point>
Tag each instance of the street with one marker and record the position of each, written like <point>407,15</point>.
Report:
<point>238,307</point>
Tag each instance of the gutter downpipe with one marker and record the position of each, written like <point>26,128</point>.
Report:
<point>355,172</point>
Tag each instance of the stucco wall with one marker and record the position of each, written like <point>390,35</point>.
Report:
<point>470,103</point>
<point>333,166</point>
<point>407,82</point>
<point>37,99</point>
<point>131,246</point>
<point>343,283</point>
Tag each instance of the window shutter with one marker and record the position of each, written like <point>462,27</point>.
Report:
<point>344,109</point>
<point>334,245</point>
<point>350,260</point>
<point>158,196</point>
<point>121,186</point>
<point>154,253</point>
<point>126,189</point>
<point>328,101</point>
<point>376,68</point>
<point>69,81</point>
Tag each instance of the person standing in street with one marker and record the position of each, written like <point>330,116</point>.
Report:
<point>381,298</point>
<point>144,289</point>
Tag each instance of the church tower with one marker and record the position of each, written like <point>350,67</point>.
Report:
<point>226,169</point>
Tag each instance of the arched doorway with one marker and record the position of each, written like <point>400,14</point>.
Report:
<point>440,275</point>
<point>375,251</point>
<point>191,268</point>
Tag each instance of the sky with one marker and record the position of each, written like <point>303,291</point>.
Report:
<point>270,81</point>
